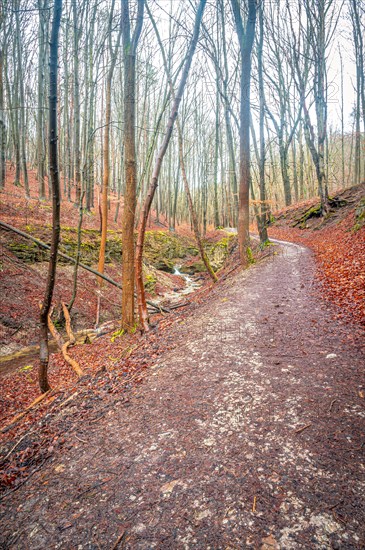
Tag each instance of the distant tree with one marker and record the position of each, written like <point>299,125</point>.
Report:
<point>113,51</point>
<point>142,305</point>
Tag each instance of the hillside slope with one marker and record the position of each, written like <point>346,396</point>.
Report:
<point>338,242</point>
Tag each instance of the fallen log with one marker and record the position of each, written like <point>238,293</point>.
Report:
<point>41,244</point>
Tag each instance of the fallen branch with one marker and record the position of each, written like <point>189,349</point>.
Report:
<point>254,504</point>
<point>52,329</point>
<point>24,480</point>
<point>331,405</point>
<point>26,410</point>
<point>176,306</point>
<point>72,362</point>
<point>41,244</point>
<point>119,540</point>
<point>13,448</point>
<point>300,430</point>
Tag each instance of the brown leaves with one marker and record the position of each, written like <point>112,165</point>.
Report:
<point>340,256</point>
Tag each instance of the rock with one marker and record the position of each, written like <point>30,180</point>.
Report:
<point>167,488</point>
<point>269,543</point>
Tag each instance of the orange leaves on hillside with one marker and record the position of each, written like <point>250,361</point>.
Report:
<point>340,256</point>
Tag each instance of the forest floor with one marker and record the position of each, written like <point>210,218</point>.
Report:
<point>238,421</point>
<point>247,433</point>
<point>23,280</point>
<point>338,243</point>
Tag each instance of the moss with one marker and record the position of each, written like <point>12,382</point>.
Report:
<point>265,244</point>
<point>27,252</point>
<point>193,267</point>
<point>250,256</point>
<point>336,202</point>
<point>163,250</point>
<point>313,212</point>
<point>150,282</point>
<point>117,334</point>
<point>219,251</point>
<point>360,215</point>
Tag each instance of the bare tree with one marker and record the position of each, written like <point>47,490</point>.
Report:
<point>246,38</point>
<point>142,306</point>
<point>130,44</point>
<point>106,151</point>
<point>55,182</point>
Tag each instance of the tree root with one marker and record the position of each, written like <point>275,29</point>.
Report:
<point>63,346</point>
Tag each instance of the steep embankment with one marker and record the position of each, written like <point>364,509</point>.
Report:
<point>24,264</point>
<point>338,242</point>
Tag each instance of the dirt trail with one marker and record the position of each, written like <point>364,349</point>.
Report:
<point>249,434</point>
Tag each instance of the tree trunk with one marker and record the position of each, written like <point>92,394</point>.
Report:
<point>246,39</point>
<point>22,106</point>
<point>142,307</point>
<point>106,154</point>
<point>76,99</point>
<point>42,48</point>
<point>53,168</point>
<point>2,125</point>
<point>263,206</point>
<point>130,161</point>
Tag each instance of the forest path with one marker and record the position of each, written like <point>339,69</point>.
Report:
<point>247,435</point>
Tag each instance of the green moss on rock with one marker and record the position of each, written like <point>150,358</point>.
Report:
<point>360,215</point>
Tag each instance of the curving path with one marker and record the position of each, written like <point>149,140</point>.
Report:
<point>249,434</point>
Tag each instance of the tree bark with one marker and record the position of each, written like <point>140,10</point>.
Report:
<point>42,49</point>
<point>142,307</point>
<point>53,168</point>
<point>106,154</point>
<point>2,124</point>
<point>246,39</point>
<point>76,99</point>
<point>130,161</point>
<point>263,205</point>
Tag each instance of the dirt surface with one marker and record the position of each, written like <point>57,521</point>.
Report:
<point>249,434</point>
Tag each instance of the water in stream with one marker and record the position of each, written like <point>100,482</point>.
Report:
<point>29,356</point>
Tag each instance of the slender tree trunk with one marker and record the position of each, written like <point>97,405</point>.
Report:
<point>106,154</point>
<point>142,306</point>
<point>194,219</point>
<point>78,254</point>
<point>246,39</point>
<point>42,46</point>
<point>22,106</point>
<point>130,161</point>
<point>216,149</point>
<point>76,99</point>
<point>53,162</point>
<point>2,125</point>
<point>263,206</point>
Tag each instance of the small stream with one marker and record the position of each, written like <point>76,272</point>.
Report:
<point>174,296</point>
<point>28,357</point>
<point>191,284</point>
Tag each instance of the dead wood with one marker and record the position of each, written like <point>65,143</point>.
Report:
<point>41,244</point>
<point>63,346</point>
<point>26,410</point>
<point>70,334</point>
